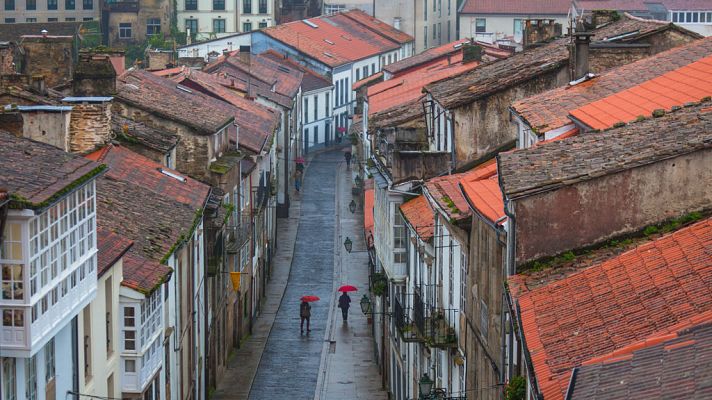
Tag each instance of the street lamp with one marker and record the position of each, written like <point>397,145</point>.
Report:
<point>348,244</point>
<point>425,386</point>
<point>352,206</point>
<point>365,305</point>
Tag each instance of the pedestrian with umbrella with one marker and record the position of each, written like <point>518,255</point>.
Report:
<point>345,300</point>
<point>305,311</point>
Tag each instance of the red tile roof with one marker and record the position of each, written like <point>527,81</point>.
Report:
<point>418,213</point>
<point>351,41</point>
<point>517,7</point>
<point>482,190</point>
<point>445,190</point>
<point>237,78</point>
<point>143,275</point>
<point>649,290</point>
<point>256,122</point>
<point>550,110</point>
<point>36,172</point>
<point>641,5</point>
<point>399,97</point>
<point>377,77</point>
<point>688,84</point>
<point>110,248</point>
<point>311,80</point>
<point>430,55</point>
<point>125,165</point>
<point>378,26</point>
<point>164,97</point>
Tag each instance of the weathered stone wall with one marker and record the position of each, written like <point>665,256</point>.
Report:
<point>94,76</point>
<point>485,281</point>
<point>160,9</point>
<point>418,165</point>
<point>89,127</point>
<point>51,57</point>
<point>599,209</point>
<point>484,126</point>
<point>7,58</point>
<point>11,122</point>
<point>192,153</point>
<point>159,60</point>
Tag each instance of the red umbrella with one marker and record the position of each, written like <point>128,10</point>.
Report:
<point>348,288</point>
<point>309,299</point>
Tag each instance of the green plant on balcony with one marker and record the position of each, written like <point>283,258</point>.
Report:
<point>379,284</point>
<point>516,389</point>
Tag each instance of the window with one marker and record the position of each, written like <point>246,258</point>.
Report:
<point>440,8</point>
<point>130,366</point>
<point>451,272</point>
<point>263,6</point>
<point>247,26</point>
<point>31,5</point>
<point>88,4</point>
<point>480,25</point>
<point>262,25</point>
<point>425,37</point>
<point>87,343</point>
<point>9,20</point>
<point>336,93</point>
<point>218,4</point>
<point>125,30</point>
<point>70,19</point>
<point>316,107</point>
<point>52,19</point>
<point>49,360</point>
<point>218,25</point>
<point>69,5</point>
<point>153,26</point>
<point>425,10</point>
<point>9,6</point>
<point>31,378</point>
<point>306,110</point>
<point>30,19</point>
<point>448,31</point>
<point>109,300</point>
<point>51,4</point>
<point>518,30</point>
<point>365,71</point>
<point>399,239</point>
<point>435,34</point>
<point>9,386</point>
<point>449,6</point>
<point>191,25</point>
<point>129,328</point>
<point>191,5</point>
<point>327,106</point>
<point>247,6</point>
<point>87,19</point>
<point>463,280</point>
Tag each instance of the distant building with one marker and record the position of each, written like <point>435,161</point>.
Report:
<point>431,22</point>
<point>496,20</point>
<point>133,21</point>
<point>693,15</point>
<point>20,11</point>
<point>212,19</point>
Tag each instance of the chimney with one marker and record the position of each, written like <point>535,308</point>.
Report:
<point>38,85</point>
<point>582,42</point>
<point>245,54</point>
<point>471,52</point>
<point>89,123</point>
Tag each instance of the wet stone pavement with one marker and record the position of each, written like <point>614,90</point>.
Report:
<point>290,363</point>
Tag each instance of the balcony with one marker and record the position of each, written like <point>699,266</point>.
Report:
<point>238,233</point>
<point>434,325</point>
<point>406,326</point>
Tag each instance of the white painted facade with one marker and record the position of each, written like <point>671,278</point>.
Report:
<point>209,19</point>
<point>255,14</point>
<point>228,42</point>
<point>431,22</point>
<point>490,28</point>
<point>316,118</point>
<point>438,122</point>
<point>98,333</point>
<point>49,275</point>
<point>699,21</point>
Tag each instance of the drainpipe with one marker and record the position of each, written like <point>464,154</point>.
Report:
<point>509,267</point>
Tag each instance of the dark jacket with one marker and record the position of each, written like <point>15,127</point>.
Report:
<point>305,310</point>
<point>344,301</point>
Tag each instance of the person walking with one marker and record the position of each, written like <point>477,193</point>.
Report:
<point>305,314</point>
<point>347,156</point>
<point>297,179</point>
<point>344,304</point>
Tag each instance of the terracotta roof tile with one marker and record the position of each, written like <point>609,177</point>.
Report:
<point>688,84</point>
<point>125,165</point>
<point>427,56</point>
<point>565,162</point>
<point>143,275</point>
<point>351,40</point>
<point>550,110</point>
<point>164,97</point>
<point>36,171</point>
<point>397,100</point>
<point>420,216</point>
<point>311,80</point>
<point>518,7</point>
<point>492,77</point>
<point>235,77</point>
<point>110,248</point>
<point>616,303</point>
<point>378,26</point>
<point>445,190</point>
<point>256,122</point>
<point>482,190</point>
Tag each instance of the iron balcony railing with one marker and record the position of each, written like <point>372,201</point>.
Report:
<point>406,326</point>
<point>238,232</point>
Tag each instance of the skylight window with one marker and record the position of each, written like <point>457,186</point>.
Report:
<point>183,88</point>
<point>329,41</point>
<point>329,55</point>
<point>346,37</point>
<point>172,175</point>
<point>313,25</point>
<point>457,45</point>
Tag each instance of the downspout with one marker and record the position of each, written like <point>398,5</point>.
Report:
<point>453,164</point>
